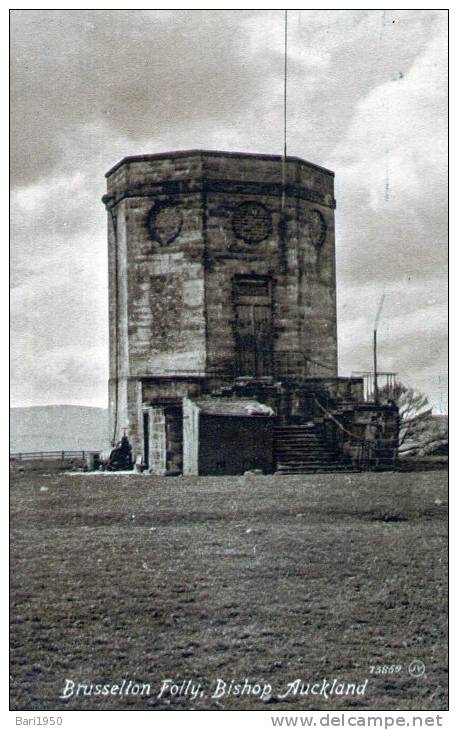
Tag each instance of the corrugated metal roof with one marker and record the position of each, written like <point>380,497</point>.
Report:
<point>232,407</point>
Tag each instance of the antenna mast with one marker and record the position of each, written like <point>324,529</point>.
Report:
<point>374,346</point>
<point>285,88</point>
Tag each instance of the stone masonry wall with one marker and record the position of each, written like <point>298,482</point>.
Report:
<point>181,226</point>
<point>302,266</point>
<point>164,278</point>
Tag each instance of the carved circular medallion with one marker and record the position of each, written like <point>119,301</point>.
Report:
<point>252,222</point>
<point>164,223</point>
<point>317,227</point>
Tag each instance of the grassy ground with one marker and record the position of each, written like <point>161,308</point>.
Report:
<point>269,579</point>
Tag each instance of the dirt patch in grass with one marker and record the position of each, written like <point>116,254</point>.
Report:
<point>265,579</point>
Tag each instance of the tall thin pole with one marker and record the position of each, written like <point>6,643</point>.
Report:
<point>285,90</point>
<point>375,368</point>
<point>377,319</point>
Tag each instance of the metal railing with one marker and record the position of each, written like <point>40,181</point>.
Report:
<point>283,364</point>
<point>386,384</point>
<point>50,455</point>
<point>294,363</point>
<point>362,455</point>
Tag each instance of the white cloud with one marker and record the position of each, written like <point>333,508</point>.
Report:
<point>396,143</point>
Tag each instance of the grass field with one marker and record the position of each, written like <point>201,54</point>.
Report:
<point>269,579</point>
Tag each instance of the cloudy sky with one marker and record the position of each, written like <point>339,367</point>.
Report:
<point>367,98</point>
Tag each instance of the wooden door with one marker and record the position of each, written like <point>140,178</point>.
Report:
<point>253,328</point>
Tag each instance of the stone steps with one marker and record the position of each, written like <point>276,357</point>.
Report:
<point>302,449</point>
<point>318,468</point>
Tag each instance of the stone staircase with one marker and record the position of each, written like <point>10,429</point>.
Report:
<point>301,449</point>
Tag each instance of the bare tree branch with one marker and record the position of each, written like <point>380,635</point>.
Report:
<point>414,409</point>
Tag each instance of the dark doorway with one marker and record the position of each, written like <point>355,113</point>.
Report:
<point>146,438</point>
<point>253,323</point>
<point>163,436</point>
<point>174,439</point>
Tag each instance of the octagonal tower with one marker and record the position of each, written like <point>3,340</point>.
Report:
<point>221,266</point>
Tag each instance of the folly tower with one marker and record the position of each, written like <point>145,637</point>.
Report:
<point>221,281</point>
<point>208,279</point>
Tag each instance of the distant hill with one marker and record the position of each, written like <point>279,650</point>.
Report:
<point>58,428</point>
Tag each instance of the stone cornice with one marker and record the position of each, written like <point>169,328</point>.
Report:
<point>214,185</point>
<point>213,153</point>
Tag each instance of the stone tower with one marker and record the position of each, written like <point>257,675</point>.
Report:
<point>212,279</point>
